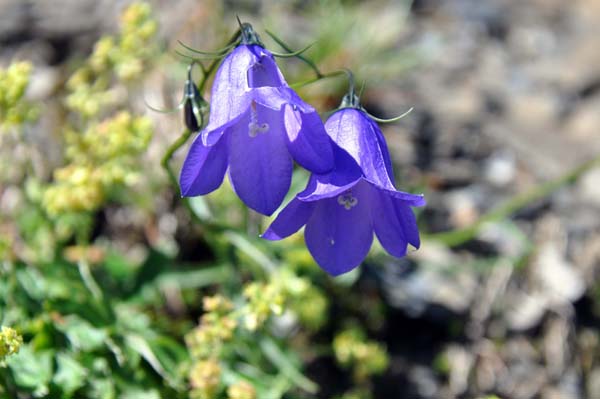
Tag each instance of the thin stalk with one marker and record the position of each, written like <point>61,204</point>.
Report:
<point>298,85</point>
<point>456,237</point>
<point>287,48</point>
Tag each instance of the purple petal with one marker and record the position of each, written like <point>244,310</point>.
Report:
<point>204,168</point>
<point>339,233</point>
<point>356,133</point>
<point>276,97</point>
<point>265,71</point>
<point>394,223</point>
<point>344,176</point>
<point>307,140</point>
<point>290,220</point>
<point>384,149</point>
<point>410,199</point>
<point>227,100</point>
<point>260,166</point>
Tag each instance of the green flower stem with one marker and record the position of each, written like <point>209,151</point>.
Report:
<point>165,161</point>
<point>88,279</point>
<point>213,65</point>
<point>459,236</point>
<point>303,83</point>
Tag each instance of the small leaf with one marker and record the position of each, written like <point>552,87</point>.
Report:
<point>70,375</point>
<point>140,345</point>
<point>81,334</point>
<point>286,365</point>
<point>31,369</point>
<point>102,388</point>
<point>140,394</point>
<point>200,208</point>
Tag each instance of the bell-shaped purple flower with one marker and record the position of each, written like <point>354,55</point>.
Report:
<point>257,125</point>
<point>343,208</point>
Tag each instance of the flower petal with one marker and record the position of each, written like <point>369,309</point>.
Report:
<point>307,140</point>
<point>410,199</point>
<point>260,167</point>
<point>290,220</point>
<point>277,97</point>
<point>338,236</point>
<point>265,71</point>
<point>204,168</point>
<point>394,223</point>
<point>344,176</point>
<point>227,100</point>
<point>356,133</point>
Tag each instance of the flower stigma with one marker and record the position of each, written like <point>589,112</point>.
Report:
<point>347,200</point>
<point>254,128</point>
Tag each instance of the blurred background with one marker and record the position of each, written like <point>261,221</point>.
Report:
<point>112,286</point>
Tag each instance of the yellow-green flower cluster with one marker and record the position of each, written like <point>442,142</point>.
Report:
<point>353,350</point>
<point>101,158</point>
<point>14,109</point>
<point>305,300</point>
<point>241,390</point>
<point>263,300</point>
<point>205,343</point>
<point>205,378</point>
<point>122,57</point>
<point>216,327</point>
<point>10,342</point>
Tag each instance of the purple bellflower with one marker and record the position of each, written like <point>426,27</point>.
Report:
<point>343,208</point>
<point>257,125</point>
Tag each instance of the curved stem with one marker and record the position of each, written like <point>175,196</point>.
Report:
<point>397,118</point>
<point>219,52</point>
<point>301,57</point>
<point>293,54</point>
<point>318,78</point>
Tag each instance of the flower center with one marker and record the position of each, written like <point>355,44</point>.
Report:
<point>254,128</point>
<point>347,200</point>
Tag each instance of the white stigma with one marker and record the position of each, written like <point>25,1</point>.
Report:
<point>347,200</point>
<point>254,128</point>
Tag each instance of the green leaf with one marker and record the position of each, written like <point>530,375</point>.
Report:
<point>140,394</point>
<point>102,388</point>
<point>286,365</point>
<point>141,346</point>
<point>119,267</point>
<point>81,334</point>
<point>200,208</point>
<point>33,282</point>
<point>70,375</point>
<point>251,250</point>
<point>196,278</point>
<point>32,370</point>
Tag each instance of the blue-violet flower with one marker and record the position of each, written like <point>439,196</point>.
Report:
<point>257,124</point>
<point>342,208</point>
